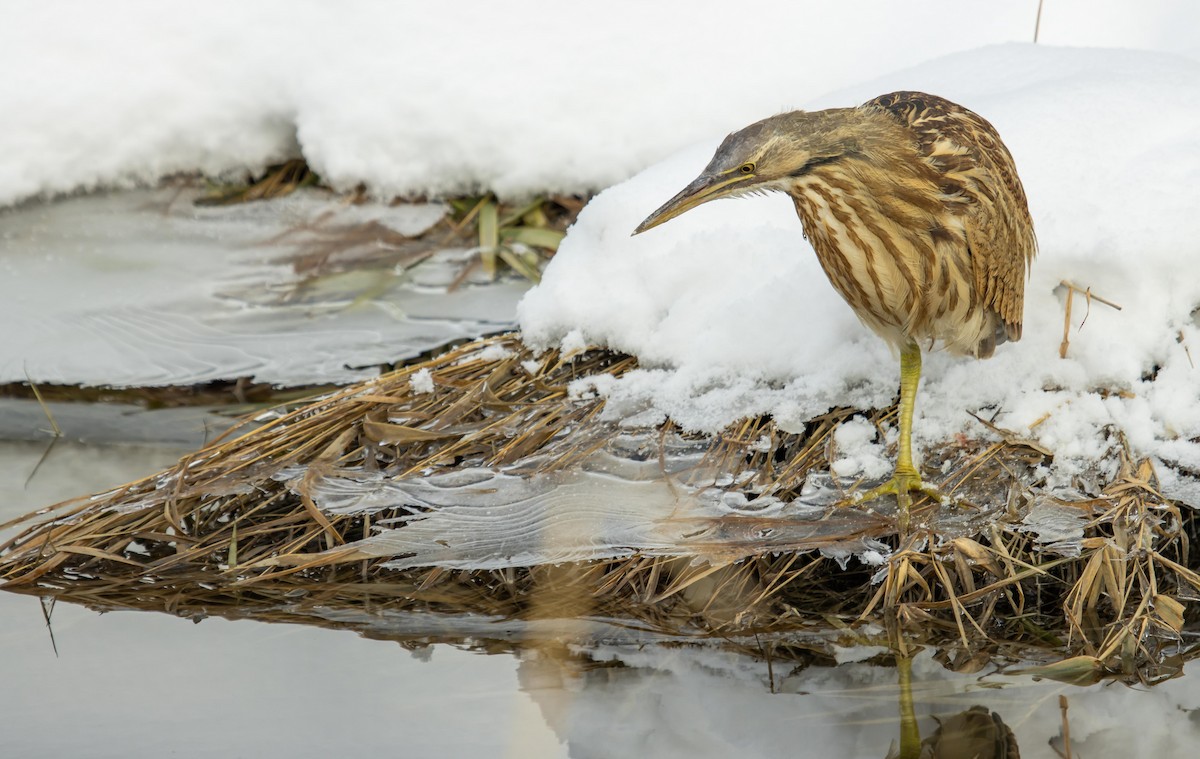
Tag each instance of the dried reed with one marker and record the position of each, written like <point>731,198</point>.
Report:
<point>221,533</point>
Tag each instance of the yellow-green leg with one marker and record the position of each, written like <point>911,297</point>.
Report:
<point>905,478</point>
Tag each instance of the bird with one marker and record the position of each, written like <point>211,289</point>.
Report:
<point>915,211</point>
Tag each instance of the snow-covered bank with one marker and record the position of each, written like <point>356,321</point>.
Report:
<point>522,96</point>
<point>732,299</point>
<point>530,96</point>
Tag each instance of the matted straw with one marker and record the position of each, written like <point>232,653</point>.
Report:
<point>222,532</point>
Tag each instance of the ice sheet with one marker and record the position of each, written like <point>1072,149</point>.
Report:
<point>143,288</point>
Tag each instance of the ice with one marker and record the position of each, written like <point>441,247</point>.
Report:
<point>1058,527</point>
<point>508,521</point>
<point>612,506</point>
<point>637,494</point>
<point>144,289</point>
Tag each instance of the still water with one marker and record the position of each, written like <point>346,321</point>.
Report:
<point>138,684</point>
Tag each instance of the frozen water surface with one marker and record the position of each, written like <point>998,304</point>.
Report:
<point>489,520</point>
<point>142,288</point>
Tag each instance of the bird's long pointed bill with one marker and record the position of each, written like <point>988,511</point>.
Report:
<point>703,189</point>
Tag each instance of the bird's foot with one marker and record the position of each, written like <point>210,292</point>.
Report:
<point>902,485</point>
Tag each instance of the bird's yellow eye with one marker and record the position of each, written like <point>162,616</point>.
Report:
<point>747,168</point>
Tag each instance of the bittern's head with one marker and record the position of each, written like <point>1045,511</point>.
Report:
<point>767,155</point>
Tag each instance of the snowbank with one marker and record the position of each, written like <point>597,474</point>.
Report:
<point>531,96</point>
<point>521,96</point>
<point>731,297</point>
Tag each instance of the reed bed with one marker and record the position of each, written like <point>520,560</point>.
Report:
<point>222,532</point>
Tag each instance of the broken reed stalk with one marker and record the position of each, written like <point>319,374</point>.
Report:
<point>1066,727</point>
<point>224,533</point>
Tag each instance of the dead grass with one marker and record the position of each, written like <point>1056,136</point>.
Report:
<point>221,534</point>
<point>521,236</point>
<point>276,182</point>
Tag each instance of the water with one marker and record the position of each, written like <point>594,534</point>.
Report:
<point>131,684</point>
<point>136,684</point>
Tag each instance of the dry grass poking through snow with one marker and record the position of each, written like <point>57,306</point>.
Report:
<point>234,529</point>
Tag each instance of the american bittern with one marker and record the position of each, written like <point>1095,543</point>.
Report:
<point>913,206</point>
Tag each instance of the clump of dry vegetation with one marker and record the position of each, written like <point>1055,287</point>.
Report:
<point>224,533</point>
<point>521,236</point>
<point>276,181</point>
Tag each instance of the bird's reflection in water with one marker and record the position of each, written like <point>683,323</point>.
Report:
<point>976,733</point>
<point>657,692</point>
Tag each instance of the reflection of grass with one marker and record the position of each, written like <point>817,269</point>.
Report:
<point>367,258</point>
<point>521,236</point>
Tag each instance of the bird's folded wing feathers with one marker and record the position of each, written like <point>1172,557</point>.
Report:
<point>980,184</point>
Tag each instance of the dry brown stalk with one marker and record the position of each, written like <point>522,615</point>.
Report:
<point>1089,296</point>
<point>234,529</point>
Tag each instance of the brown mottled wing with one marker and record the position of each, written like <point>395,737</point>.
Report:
<point>979,183</point>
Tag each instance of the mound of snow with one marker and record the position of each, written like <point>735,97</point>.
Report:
<point>428,98</point>
<point>730,311</point>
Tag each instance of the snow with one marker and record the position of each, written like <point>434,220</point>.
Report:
<point>426,98</point>
<point>731,315</point>
<point>725,307</point>
<point>859,451</point>
<point>591,386</point>
<point>422,382</point>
